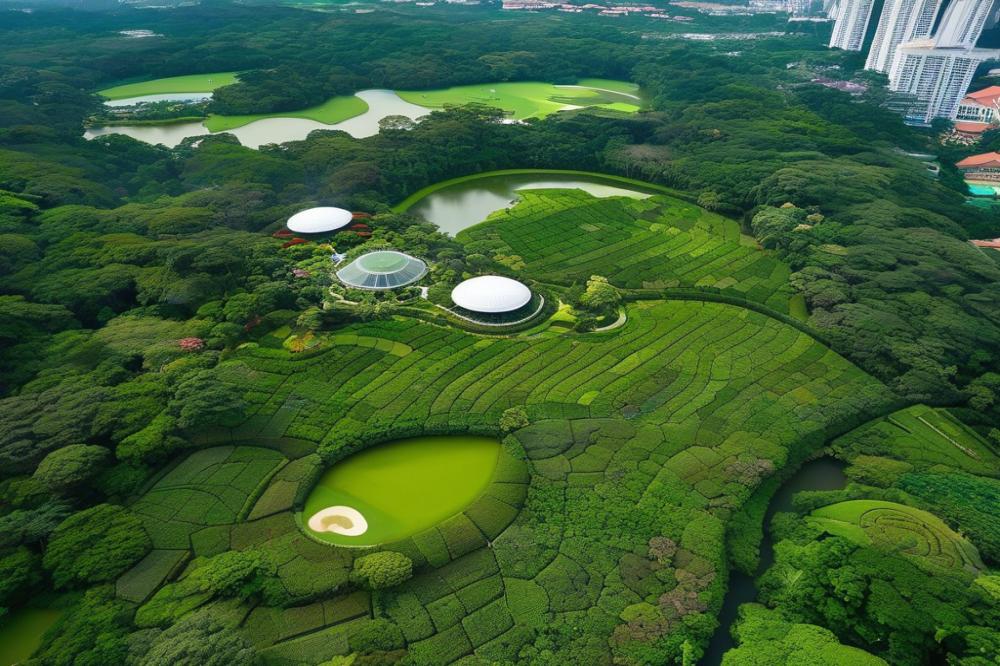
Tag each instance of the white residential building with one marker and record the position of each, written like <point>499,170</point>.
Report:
<point>901,21</point>
<point>850,23</point>
<point>935,72</point>
<point>936,77</point>
<point>963,23</point>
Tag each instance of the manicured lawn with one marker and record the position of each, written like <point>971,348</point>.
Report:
<point>334,110</point>
<point>565,236</point>
<point>929,436</point>
<point>892,525</point>
<point>405,486</point>
<point>530,99</point>
<point>172,84</point>
<point>634,434</point>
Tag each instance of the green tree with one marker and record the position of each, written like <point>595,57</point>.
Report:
<point>95,545</point>
<point>70,467</point>
<point>513,418</point>
<point>203,400</point>
<point>378,635</point>
<point>600,295</point>
<point>382,570</point>
<point>199,639</point>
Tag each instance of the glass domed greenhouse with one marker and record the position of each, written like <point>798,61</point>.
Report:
<point>382,269</point>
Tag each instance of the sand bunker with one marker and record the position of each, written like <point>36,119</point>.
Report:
<point>339,520</point>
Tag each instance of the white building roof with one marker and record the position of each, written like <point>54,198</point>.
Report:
<point>490,294</point>
<point>319,220</point>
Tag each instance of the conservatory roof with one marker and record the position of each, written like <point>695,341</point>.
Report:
<point>382,269</point>
<point>319,220</point>
<point>490,294</point>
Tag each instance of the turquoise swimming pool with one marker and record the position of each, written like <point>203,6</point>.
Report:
<point>983,190</point>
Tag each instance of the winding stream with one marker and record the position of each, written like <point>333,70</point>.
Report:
<point>820,474</point>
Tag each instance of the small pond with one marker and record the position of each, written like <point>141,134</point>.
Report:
<point>393,490</point>
<point>381,103</point>
<point>21,633</point>
<point>466,203</point>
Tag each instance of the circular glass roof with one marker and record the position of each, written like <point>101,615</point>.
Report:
<point>491,294</point>
<point>382,269</point>
<point>319,220</point>
<point>383,262</point>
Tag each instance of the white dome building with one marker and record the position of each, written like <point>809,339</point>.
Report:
<point>491,294</point>
<point>319,220</point>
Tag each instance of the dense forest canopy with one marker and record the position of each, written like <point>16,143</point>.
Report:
<point>118,258</point>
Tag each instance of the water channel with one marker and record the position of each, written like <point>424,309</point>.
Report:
<point>820,474</point>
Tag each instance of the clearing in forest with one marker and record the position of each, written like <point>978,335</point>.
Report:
<point>533,99</point>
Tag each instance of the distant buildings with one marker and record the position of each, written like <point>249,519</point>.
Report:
<point>935,78</point>
<point>982,106</point>
<point>851,22</point>
<point>977,112</point>
<point>901,21</point>
<point>931,68</point>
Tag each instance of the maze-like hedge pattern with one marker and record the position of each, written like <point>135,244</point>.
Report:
<point>653,431</point>
<point>601,534</point>
<point>566,236</point>
<point>924,436</point>
<point>209,488</point>
<point>892,526</point>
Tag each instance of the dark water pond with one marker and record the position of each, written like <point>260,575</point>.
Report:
<point>820,474</point>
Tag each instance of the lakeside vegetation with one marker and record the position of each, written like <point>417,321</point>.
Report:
<point>335,110</point>
<point>175,378</point>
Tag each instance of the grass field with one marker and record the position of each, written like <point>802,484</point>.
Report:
<point>565,236</point>
<point>405,486</point>
<point>891,526</point>
<point>334,110</point>
<point>172,84</point>
<point>533,99</point>
<point>650,431</point>
<point>641,443</point>
<point>926,436</point>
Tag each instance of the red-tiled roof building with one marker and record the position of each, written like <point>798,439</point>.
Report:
<point>985,166</point>
<point>982,106</point>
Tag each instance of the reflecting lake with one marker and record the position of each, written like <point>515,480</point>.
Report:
<point>381,103</point>
<point>464,204</point>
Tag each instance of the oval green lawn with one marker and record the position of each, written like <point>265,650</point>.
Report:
<point>193,83</point>
<point>405,486</point>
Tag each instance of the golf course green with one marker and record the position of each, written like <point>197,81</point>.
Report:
<point>333,110</point>
<point>192,83</point>
<point>533,99</point>
<point>404,486</point>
